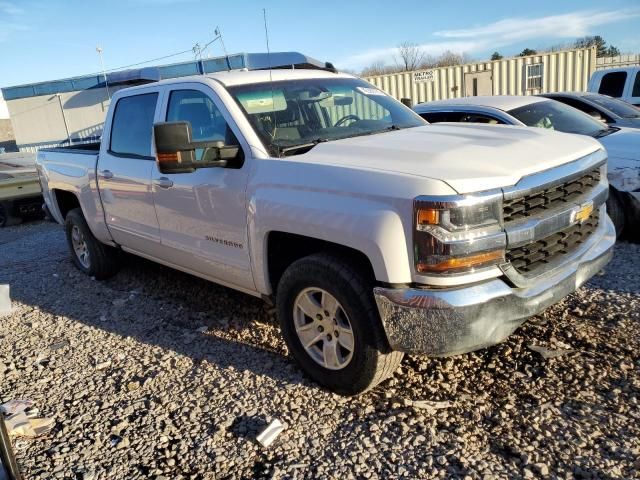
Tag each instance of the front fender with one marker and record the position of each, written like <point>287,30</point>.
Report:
<point>370,227</point>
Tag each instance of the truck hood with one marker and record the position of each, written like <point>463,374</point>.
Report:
<point>469,158</point>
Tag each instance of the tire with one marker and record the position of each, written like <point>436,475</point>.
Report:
<point>100,261</point>
<point>615,210</point>
<point>311,280</point>
<point>6,219</point>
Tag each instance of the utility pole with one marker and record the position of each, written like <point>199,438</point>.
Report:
<point>104,73</point>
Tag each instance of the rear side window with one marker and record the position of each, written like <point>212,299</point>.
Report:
<point>612,84</point>
<point>132,125</point>
<point>437,117</point>
<point>636,86</point>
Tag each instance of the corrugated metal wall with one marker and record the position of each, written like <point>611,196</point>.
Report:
<point>562,71</point>
<point>617,61</point>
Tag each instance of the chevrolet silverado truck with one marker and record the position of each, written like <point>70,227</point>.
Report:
<point>373,232</point>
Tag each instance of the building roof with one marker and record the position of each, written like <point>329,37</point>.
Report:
<point>501,102</point>
<point>239,61</point>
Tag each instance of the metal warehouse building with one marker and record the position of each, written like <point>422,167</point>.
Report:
<point>73,110</point>
<point>548,72</point>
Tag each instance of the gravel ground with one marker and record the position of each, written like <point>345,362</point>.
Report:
<point>138,390</point>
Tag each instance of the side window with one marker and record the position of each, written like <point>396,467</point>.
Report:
<point>132,125</point>
<point>636,86</point>
<point>583,107</point>
<point>437,117</point>
<point>612,84</point>
<point>207,123</point>
<point>480,118</point>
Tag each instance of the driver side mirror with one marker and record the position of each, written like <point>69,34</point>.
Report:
<point>596,116</point>
<point>176,151</point>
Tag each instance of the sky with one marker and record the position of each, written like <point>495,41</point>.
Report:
<point>51,39</point>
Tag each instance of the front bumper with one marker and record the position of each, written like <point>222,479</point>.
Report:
<point>443,322</point>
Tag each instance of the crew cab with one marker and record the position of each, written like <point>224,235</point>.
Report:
<point>374,233</point>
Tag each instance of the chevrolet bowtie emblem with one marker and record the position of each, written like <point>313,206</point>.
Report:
<point>581,213</point>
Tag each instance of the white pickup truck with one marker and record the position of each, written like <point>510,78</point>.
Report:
<point>373,232</point>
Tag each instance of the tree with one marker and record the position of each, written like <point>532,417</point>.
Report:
<point>411,56</point>
<point>527,52</point>
<point>612,51</point>
<point>496,56</point>
<point>448,59</point>
<point>602,50</point>
<point>376,68</point>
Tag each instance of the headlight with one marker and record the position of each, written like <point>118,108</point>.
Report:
<point>458,234</point>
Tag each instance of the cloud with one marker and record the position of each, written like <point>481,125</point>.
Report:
<point>575,24</point>
<point>500,34</point>
<point>9,8</point>
<point>8,28</point>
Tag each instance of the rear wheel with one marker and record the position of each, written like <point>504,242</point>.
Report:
<point>331,325</point>
<point>89,255</point>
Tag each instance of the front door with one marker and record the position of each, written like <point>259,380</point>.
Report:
<point>478,83</point>
<point>202,215</point>
<point>124,174</point>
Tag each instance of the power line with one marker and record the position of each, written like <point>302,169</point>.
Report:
<point>151,60</point>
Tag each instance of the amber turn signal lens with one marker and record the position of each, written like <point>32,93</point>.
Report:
<point>476,260</point>
<point>168,157</point>
<point>428,216</point>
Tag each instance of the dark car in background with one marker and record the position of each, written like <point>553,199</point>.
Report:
<point>614,112</point>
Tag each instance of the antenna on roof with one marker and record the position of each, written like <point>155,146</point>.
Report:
<point>218,34</point>
<point>104,73</point>
<point>273,101</point>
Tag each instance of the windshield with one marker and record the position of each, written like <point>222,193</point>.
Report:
<point>292,116</point>
<point>558,116</point>
<point>620,108</point>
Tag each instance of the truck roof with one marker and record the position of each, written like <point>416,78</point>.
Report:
<point>245,77</point>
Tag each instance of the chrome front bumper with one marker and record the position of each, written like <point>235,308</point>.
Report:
<point>442,322</point>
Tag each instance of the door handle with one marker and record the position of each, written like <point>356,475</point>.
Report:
<point>163,182</point>
<point>106,174</point>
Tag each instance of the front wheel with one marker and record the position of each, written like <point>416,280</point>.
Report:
<point>331,325</point>
<point>88,253</point>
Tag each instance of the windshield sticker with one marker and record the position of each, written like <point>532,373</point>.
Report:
<point>264,101</point>
<point>370,91</point>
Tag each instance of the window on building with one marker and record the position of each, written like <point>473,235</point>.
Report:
<point>534,76</point>
<point>612,84</point>
<point>132,125</point>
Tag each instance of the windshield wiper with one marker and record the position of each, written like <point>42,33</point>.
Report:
<point>303,146</point>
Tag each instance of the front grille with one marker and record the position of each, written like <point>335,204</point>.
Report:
<point>529,257</point>
<point>550,198</point>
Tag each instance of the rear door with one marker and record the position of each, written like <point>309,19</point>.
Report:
<point>202,215</point>
<point>124,172</point>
